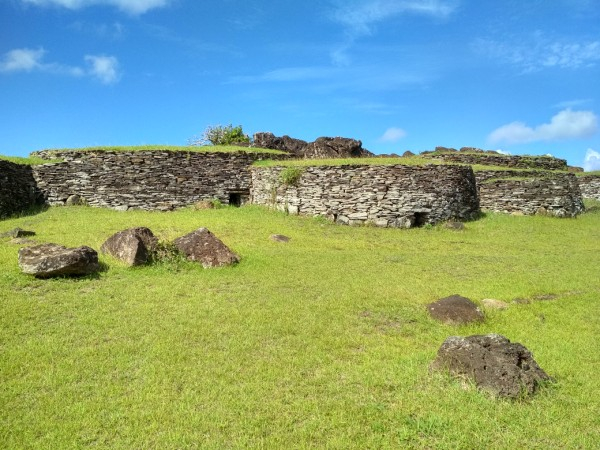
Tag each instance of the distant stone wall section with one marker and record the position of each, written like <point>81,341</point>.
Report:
<point>382,195</point>
<point>495,159</point>
<point>553,194</point>
<point>590,186</point>
<point>151,180</point>
<point>18,191</point>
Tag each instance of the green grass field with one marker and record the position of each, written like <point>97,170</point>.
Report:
<point>323,342</point>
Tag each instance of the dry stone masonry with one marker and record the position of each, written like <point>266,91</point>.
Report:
<point>473,156</point>
<point>555,195</point>
<point>161,180</point>
<point>382,195</point>
<point>590,186</point>
<point>18,189</point>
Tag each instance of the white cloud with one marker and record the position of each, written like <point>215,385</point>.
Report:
<point>503,152</point>
<point>393,134</point>
<point>591,161</point>
<point>537,52</point>
<point>360,15</point>
<point>22,59</point>
<point>134,7</point>
<point>567,124</point>
<point>104,68</point>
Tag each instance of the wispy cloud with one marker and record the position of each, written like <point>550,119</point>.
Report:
<point>113,31</point>
<point>591,161</point>
<point>134,7</point>
<point>393,134</point>
<point>567,124</point>
<point>537,52</point>
<point>360,18</point>
<point>103,68</point>
<point>573,103</point>
<point>287,74</point>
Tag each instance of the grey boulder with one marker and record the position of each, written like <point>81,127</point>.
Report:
<point>52,260</point>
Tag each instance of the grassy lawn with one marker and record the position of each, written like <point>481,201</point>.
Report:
<point>322,342</point>
<point>171,148</point>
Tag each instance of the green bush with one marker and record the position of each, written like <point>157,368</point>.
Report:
<point>220,135</point>
<point>291,175</point>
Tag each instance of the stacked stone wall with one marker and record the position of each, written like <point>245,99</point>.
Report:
<point>150,180</point>
<point>18,191</point>
<point>491,159</point>
<point>552,194</point>
<point>590,186</point>
<point>382,195</point>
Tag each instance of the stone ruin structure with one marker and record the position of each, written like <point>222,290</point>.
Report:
<point>383,195</point>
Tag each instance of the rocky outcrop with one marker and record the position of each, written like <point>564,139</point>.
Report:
<point>323,147</point>
<point>493,363</point>
<point>134,246</point>
<point>385,196</point>
<point>18,189</point>
<point>204,247</point>
<point>455,310</point>
<point>52,260</point>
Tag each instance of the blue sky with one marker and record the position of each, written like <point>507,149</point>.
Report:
<point>521,76</point>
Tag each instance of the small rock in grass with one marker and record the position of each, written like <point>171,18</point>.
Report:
<point>492,303</point>
<point>17,233</point>
<point>75,200</point>
<point>455,310</point>
<point>204,204</point>
<point>494,363</point>
<point>453,225</point>
<point>279,238</point>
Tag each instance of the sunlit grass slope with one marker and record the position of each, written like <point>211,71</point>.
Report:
<point>322,342</point>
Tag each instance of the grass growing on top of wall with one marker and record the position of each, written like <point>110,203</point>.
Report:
<point>586,174</point>
<point>30,161</point>
<point>321,342</point>
<point>409,161</point>
<point>172,148</point>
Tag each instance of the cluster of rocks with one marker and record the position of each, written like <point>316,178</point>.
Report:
<point>323,147</point>
<point>134,247</point>
<point>382,195</point>
<point>491,362</point>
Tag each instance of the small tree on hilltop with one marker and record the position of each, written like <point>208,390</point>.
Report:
<point>220,135</point>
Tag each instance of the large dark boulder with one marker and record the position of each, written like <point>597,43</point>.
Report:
<point>323,147</point>
<point>284,143</point>
<point>493,363</point>
<point>204,247</point>
<point>52,260</point>
<point>134,246</point>
<point>455,310</point>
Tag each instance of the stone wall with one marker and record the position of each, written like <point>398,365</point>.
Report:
<point>590,186</point>
<point>495,159</point>
<point>555,194</point>
<point>18,191</point>
<point>384,195</point>
<point>161,180</point>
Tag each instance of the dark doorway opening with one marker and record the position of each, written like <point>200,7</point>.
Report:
<point>235,199</point>
<point>421,219</point>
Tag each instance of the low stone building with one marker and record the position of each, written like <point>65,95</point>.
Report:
<point>382,195</point>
